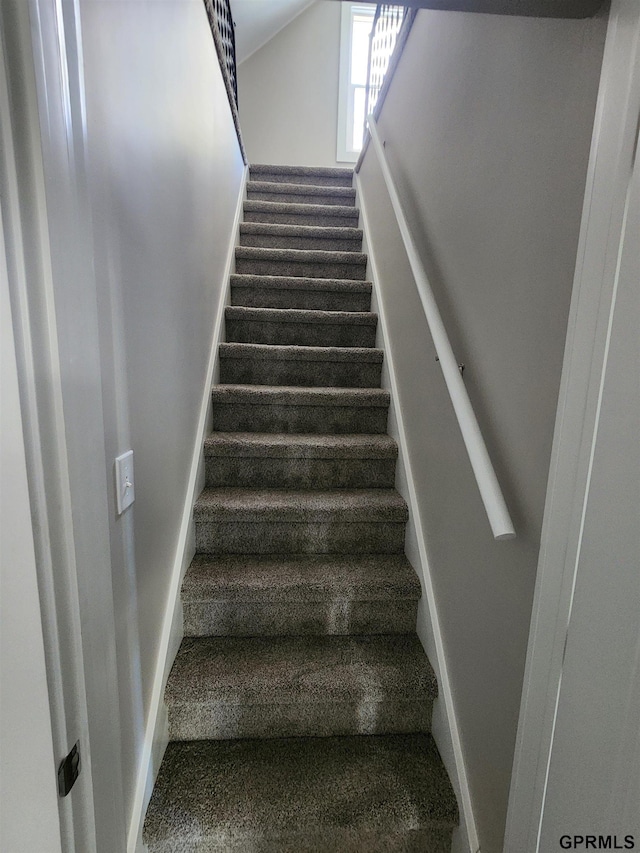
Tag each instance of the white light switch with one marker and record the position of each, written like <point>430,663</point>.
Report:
<point>125,493</point>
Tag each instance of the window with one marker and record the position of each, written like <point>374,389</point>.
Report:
<point>357,20</point>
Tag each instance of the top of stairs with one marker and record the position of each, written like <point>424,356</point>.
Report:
<point>312,175</point>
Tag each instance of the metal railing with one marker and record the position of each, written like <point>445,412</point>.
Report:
<point>387,23</point>
<point>224,40</point>
<point>485,475</point>
<point>222,26</point>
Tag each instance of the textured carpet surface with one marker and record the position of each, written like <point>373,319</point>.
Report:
<point>300,700</point>
<point>284,578</point>
<point>313,175</point>
<point>320,794</point>
<point>292,686</point>
<point>286,292</point>
<point>302,446</point>
<point>252,595</point>
<point>292,213</point>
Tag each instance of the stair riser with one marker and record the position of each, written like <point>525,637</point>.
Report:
<point>335,420</point>
<point>285,537</point>
<point>298,719</point>
<point>286,618</point>
<point>323,221</point>
<point>304,180</point>
<point>300,198</point>
<point>313,300</point>
<point>317,374</point>
<point>300,334</point>
<point>300,473</point>
<point>300,269</point>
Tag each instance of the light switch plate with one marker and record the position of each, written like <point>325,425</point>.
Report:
<point>125,491</point>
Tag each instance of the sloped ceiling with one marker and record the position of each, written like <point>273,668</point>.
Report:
<point>257,21</point>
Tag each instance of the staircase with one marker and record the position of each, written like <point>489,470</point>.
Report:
<point>300,699</point>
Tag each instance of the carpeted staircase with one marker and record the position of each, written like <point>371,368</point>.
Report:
<point>300,700</point>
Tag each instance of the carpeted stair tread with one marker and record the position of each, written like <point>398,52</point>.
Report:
<point>275,235</point>
<point>300,506</point>
<point>301,327</point>
<point>271,670</point>
<point>294,396</point>
<point>385,794</point>
<point>303,461</point>
<point>309,366</point>
<point>291,409</point>
<point>304,446</point>
<point>260,282</point>
<point>343,211</point>
<point>301,315</point>
<point>269,291</point>
<point>252,595</point>
<point>361,355</point>
<point>296,686</point>
<point>315,175</point>
<point>292,213</point>
<point>328,232</point>
<point>309,263</point>
<point>301,193</point>
<point>299,256</point>
<point>371,577</point>
<point>237,520</point>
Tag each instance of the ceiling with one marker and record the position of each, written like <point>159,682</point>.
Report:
<point>533,8</point>
<point>257,21</point>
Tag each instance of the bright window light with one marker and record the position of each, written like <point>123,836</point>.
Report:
<point>357,20</point>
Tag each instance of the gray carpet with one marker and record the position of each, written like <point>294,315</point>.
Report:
<point>300,700</point>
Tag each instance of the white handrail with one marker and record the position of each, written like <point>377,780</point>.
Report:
<point>490,491</point>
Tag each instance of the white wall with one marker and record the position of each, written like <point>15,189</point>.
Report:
<point>598,716</point>
<point>487,127</point>
<point>580,709</point>
<point>136,172</point>
<point>256,22</point>
<point>288,92</point>
<point>28,796</point>
<point>165,172</point>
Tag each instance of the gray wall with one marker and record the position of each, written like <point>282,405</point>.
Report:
<point>288,92</point>
<point>165,170</point>
<point>487,127</point>
<point>139,195</point>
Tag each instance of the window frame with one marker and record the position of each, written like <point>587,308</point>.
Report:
<point>344,153</point>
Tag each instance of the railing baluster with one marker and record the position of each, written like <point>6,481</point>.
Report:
<point>220,18</point>
<point>387,23</point>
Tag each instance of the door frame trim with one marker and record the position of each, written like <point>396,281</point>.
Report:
<point>613,152</point>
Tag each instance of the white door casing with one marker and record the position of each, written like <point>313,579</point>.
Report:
<point>551,753</point>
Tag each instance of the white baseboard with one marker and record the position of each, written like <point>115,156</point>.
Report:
<point>156,736</point>
<point>444,725</point>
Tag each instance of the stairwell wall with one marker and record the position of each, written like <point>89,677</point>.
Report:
<point>288,92</point>
<point>165,172</point>
<point>487,125</point>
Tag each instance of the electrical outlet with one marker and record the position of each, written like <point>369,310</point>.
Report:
<point>125,491</point>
